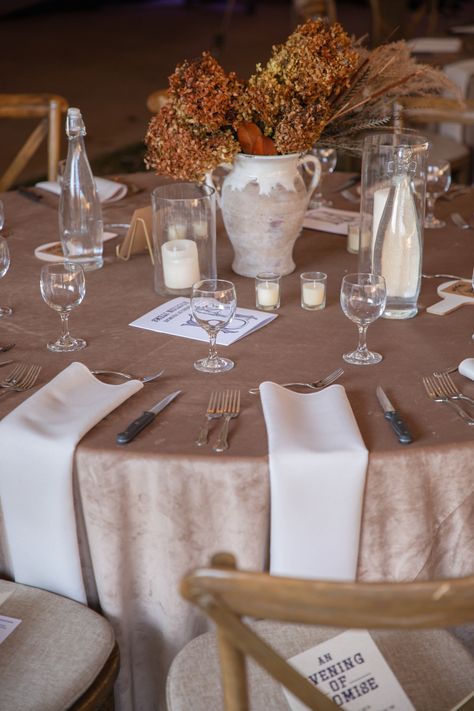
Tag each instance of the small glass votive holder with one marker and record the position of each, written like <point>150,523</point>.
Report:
<point>267,291</point>
<point>353,237</point>
<point>313,290</point>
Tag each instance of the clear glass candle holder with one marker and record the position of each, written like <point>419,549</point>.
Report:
<point>313,290</point>
<point>353,238</point>
<point>267,291</point>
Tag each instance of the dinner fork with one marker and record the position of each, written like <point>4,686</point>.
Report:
<point>14,375</point>
<point>211,413</point>
<point>228,407</point>
<point>450,390</point>
<point>24,382</point>
<point>459,221</point>
<point>7,347</point>
<point>435,393</point>
<point>317,385</point>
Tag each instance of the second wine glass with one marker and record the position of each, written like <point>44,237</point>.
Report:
<point>4,266</point>
<point>328,159</point>
<point>438,180</point>
<point>213,303</point>
<point>363,298</point>
<point>63,287</point>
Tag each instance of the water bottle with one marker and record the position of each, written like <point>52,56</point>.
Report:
<point>80,213</point>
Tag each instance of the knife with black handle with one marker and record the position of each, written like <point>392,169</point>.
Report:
<point>145,418</point>
<point>391,414</point>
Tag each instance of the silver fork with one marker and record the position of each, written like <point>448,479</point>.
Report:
<point>317,385</point>
<point>127,376</point>
<point>450,390</point>
<point>435,393</point>
<point>26,381</point>
<point>459,221</point>
<point>14,375</point>
<point>228,407</point>
<point>211,414</point>
<point>350,197</point>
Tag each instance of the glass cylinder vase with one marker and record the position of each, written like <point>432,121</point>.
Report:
<point>184,236</point>
<point>393,189</point>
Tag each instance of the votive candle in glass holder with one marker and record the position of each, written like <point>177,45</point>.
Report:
<point>267,291</point>
<point>353,237</point>
<point>313,290</point>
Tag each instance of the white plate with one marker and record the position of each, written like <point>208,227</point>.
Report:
<point>53,251</point>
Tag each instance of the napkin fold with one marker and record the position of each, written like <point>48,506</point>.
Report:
<point>318,464</point>
<point>37,443</point>
<point>466,368</point>
<point>107,190</point>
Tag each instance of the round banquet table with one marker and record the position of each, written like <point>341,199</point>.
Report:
<point>150,511</point>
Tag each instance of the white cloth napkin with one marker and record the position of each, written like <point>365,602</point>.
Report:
<point>107,190</point>
<point>460,74</point>
<point>37,443</point>
<point>318,463</point>
<point>466,368</point>
<point>435,44</point>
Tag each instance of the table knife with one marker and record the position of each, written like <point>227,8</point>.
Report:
<point>390,414</point>
<point>145,418</point>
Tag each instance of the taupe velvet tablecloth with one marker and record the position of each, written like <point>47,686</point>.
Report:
<point>152,510</point>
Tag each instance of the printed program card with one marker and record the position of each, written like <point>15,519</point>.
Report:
<point>328,219</point>
<point>7,625</point>
<point>351,670</point>
<point>174,318</point>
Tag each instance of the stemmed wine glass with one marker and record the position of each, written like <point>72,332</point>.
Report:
<point>438,180</point>
<point>363,298</point>
<point>63,287</point>
<point>213,303</point>
<point>4,266</point>
<point>328,159</point>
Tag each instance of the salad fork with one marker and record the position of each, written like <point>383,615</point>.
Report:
<point>14,375</point>
<point>25,381</point>
<point>317,385</point>
<point>450,390</point>
<point>211,413</point>
<point>435,393</point>
<point>228,407</point>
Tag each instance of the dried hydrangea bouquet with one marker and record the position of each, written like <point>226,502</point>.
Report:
<point>320,86</point>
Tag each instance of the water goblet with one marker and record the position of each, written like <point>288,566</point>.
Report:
<point>363,298</point>
<point>438,180</point>
<point>4,266</point>
<point>328,159</point>
<point>213,303</point>
<point>63,287</point>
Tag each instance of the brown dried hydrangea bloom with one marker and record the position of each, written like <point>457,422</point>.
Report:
<point>203,94</point>
<point>300,127</point>
<point>184,152</point>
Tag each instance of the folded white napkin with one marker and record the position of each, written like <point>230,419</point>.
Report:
<point>466,368</point>
<point>107,190</point>
<point>318,463</point>
<point>37,443</point>
<point>460,74</point>
<point>435,44</point>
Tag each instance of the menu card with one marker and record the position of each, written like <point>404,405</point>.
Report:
<point>328,219</point>
<point>352,672</point>
<point>7,625</point>
<point>174,317</point>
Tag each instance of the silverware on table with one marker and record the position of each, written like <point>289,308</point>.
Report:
<point>435,393</point>
<point>393,417</point>
<point>348,183</point>
<point>453,369</point>
<point>211,414</point>
<point>8,347</point>
<point>6,362</point>
<point>350,197</point>
<point>443,276</point>
<point>145,419</point>
<point>229,407</point>
<point>317,385</point>
<point>449,388</point>
<point>460,222</point>
<point>14,375</point>
<point>25,381</point>
<point>128,376</point>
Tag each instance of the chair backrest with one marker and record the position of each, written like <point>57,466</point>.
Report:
<point>225,595</point>
<point>398,20</point>
<point>315,8</point>
<point>49,109</point>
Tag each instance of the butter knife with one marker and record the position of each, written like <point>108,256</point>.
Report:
<point>391,414</point>
<point>145,418</point>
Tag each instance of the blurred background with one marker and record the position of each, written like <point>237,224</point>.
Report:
<point>108,56</point>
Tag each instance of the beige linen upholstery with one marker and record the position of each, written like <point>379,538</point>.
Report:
<point>418,659</point>
<point>55,655</point>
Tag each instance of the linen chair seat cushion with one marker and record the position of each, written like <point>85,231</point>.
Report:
<point>435,670</point>
<point>54,655</point>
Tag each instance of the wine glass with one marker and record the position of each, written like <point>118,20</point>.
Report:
<point>328,159</point>
<point>438,180</point>
<point>4,266</point>
<point>213,303</point>
<point>63,287</point>
<point>363,298</point>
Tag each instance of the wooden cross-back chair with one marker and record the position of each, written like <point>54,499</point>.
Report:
<point>434,658</point>
<point>305,9</point>
<point>49,108</point>
<point>400,20</point>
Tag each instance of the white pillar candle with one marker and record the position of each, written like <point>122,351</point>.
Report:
<point>268,293</point>
<point>353,238</point>
<point>200,228</point>
<point>180,264</point>
<point>313,293</point>
<point>177,231</point>
<point>380,198</point>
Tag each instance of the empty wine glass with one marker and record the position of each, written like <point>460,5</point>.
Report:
<point>4,266</point>
<point>438,180</point>
<point>363,298</point>
<point>63,287</point>
<point>328,159</point>
<point>213,303</point>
